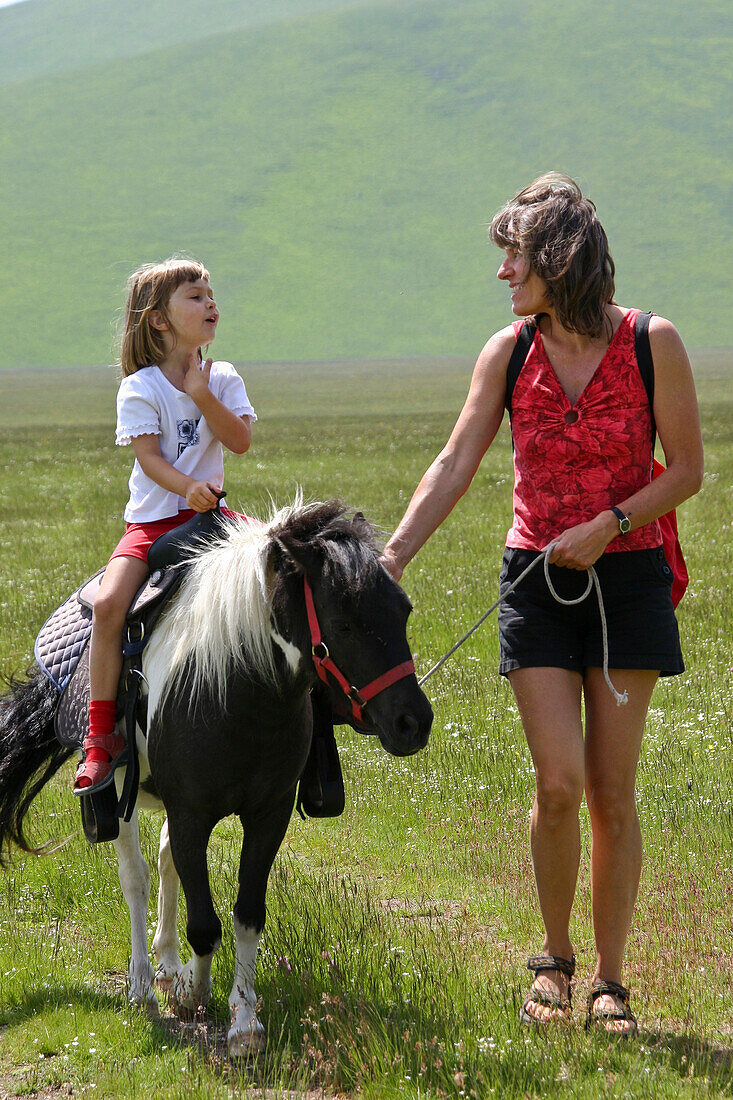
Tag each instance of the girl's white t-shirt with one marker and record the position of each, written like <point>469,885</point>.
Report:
<point>148,404</point>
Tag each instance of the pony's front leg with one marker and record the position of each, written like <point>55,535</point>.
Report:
<point>190,990</point>
<point>134,875</point>
<point>262,839</point>
<point>165,942</point>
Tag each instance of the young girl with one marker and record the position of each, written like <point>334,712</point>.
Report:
<point>178,412</point>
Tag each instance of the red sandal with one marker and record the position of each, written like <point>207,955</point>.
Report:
<point>100,773</point>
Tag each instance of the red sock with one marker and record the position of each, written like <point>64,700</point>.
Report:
<point>102,718</point>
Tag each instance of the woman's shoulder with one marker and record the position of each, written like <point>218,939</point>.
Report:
<point>497,350</point>
<point>665,342</point>
<point>662,332</point>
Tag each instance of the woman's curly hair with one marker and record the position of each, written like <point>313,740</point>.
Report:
<point>557,229</point>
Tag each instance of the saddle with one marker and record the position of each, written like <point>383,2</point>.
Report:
<point>62,653</point>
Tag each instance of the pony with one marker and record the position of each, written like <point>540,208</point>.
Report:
<point>262,611</point>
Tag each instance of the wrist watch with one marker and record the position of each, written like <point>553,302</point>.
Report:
<point>624,523</point>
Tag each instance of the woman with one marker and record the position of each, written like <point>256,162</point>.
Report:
<point>583,448</point>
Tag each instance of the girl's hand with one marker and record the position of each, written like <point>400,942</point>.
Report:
<point>201,496</point>
<point>197,376</point>
<point>579,547</point>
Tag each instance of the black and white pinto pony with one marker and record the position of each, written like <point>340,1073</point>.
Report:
<point>228,671</point>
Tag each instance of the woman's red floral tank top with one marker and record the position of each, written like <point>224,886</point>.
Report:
<point>573,461</point>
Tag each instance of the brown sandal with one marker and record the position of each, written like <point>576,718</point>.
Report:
<point>544,997</point>
<point>602,988</point>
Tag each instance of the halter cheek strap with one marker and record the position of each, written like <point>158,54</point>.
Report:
<point>325,666</point>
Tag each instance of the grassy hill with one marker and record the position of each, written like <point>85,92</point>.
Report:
<point>336,166</point>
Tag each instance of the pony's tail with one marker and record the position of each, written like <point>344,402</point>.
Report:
<point>29,753</point>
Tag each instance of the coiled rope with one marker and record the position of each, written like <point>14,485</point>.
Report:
<point>621,698</point>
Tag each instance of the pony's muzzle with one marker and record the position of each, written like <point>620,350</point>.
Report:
<point>409,730</point>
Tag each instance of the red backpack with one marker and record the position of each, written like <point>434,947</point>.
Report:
<point>668,522</point>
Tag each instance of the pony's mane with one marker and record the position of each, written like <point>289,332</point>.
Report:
<point>222,614</point>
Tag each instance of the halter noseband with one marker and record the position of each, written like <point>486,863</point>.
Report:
<point>358,697</point>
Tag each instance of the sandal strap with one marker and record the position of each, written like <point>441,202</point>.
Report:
<point>601,987</point>
<point>552,962</point>
<point>548,999</point>
<point>113,743</point>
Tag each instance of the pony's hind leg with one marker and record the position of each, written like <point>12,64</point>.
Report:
<point>134,875</point>
<point>262,840</point>
<point>190,990</point>
<point>165,942</point>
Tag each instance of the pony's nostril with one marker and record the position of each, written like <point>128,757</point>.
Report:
<point>407,725</point>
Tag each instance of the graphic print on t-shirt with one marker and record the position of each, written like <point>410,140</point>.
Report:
<point>188,434</point>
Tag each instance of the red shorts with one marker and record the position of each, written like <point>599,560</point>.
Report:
<point>139,537</point>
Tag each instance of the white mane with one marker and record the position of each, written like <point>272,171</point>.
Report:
<point>221,613</point>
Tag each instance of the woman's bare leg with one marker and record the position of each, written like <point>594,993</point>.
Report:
<point>612,745</point>
<point>549,706</point>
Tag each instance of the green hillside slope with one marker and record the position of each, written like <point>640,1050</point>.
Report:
<point>337,171</point>
<point>41,37</point>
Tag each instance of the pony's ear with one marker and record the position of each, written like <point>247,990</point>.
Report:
<point>303,555</point>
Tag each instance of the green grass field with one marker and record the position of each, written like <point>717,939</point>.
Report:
<point>393,958</point>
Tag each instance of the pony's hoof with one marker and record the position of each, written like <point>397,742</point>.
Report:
<point>246,1044</point>
<point>146,1001</point>
<point>165,977</point>
<point>186,1002</point>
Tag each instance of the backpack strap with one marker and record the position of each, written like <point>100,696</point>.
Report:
<point>517,360</point>
<point>645,363</point>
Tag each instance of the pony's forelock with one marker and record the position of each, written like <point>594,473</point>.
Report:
<point>222,612</point>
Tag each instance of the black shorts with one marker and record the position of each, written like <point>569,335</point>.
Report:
<point>536,631</point>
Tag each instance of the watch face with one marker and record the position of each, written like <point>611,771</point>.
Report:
<point>624,523</point>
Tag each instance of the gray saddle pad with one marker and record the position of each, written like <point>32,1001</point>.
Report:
<point>62,648</point>
<point>63,637</point>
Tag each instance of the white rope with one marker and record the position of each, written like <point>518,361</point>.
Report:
<point>621,698</point>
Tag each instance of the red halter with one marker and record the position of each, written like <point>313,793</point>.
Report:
<point>358,697</point>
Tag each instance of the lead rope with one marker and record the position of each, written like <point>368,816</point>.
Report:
<point>621,698</point>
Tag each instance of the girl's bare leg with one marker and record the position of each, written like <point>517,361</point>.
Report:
<point>121,581</point>
<point>102,744</point>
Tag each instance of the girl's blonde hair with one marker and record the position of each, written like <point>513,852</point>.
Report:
<point>557,229</point>
<point>149,289</point>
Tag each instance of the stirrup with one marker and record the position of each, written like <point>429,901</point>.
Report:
<point>601,988</point>
<point>544,997</point>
